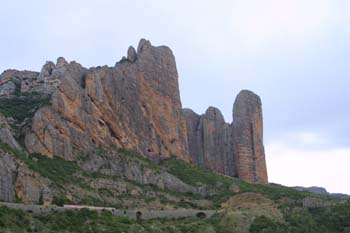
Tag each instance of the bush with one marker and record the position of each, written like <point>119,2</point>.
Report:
<point>59,200</point>
<point>22,107</point>
<point>263,224</point>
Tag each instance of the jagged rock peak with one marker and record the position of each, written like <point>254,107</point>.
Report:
<point>135,106</point>
<point>61,62</point>
<point>188,111</point>
<point>46,70</point>
<point>214,113</point>
<point>132,54</point>
<point>143,44</point>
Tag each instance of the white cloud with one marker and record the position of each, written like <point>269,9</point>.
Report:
<point>292,167</point>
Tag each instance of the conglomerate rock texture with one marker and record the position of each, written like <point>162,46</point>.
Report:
<point>135,106</point>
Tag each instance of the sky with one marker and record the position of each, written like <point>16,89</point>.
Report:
<point>295,54</point>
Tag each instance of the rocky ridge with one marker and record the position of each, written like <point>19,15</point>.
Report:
<point>134,106</point>
<point>321,191</point>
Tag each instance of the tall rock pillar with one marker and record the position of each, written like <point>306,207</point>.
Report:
<point>247,131</point>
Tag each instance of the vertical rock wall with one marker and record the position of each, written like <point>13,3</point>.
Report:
<point>234,150</point>
<point>134,105</point>
<point>210,141</point>
<point>247,131</point>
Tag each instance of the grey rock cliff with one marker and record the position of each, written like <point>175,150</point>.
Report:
<point>6,135</point>
<point>232,149</point>
<point>7,177</point>
<point>135,106</point>
<point>135,170</point>
<point>247,131</point>
<point>210,141</point>
<point>17,181</point>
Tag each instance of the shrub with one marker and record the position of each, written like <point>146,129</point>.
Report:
<point>22,107</point>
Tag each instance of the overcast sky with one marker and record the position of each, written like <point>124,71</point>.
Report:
<point>295,54</point>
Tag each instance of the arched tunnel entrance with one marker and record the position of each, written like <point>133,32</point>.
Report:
<point>201,215</point>
<point>138,215</point>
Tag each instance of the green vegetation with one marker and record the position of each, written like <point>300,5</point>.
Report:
<point>334,218</point>
<point>266,225</point>
<point>306,221</point>
<point>222,185</point>
<point>194,175</point>
<point>58,170</point>
<point>314,220</point>
<point>257,216</point>
<point>22,107</point>
<point>90,221</point>
<point>131,156</point>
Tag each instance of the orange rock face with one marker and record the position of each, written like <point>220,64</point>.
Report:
<point>134,106</point>
<point>247,132</point>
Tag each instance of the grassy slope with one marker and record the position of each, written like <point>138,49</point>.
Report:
<point>297,219</point>
<point>89,221</point>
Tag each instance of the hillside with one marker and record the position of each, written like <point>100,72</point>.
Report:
<point>241,206</point>
<point>118,137</point>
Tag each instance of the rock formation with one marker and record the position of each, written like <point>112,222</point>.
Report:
<point>18,181</point>
<point>234,150</point>
<point>7,177</point>
<point>247,133</point>
<point>136,106</point>
<point>6,134</point>
<point>210,141</point>
<point>321,191</point>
